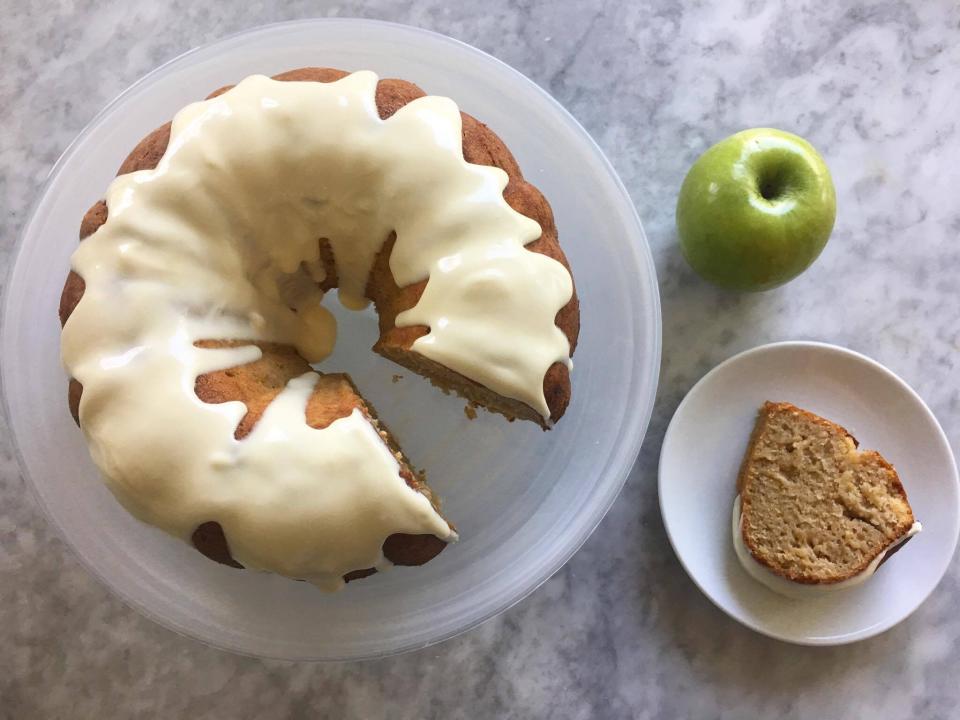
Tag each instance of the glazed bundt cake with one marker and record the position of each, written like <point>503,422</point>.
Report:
<point>192,315</point>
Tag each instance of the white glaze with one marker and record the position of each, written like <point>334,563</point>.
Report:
<point>795,590</point>
<point>220,241</point>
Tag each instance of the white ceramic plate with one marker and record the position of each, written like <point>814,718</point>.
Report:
<point>701,455</point>
<point>523,500</point>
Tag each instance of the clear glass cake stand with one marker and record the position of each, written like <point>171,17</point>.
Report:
<point>523,500</point>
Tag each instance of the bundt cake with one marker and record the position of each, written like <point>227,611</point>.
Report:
<point>192,314</point>
<point>813,513</point>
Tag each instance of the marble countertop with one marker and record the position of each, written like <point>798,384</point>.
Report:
<point>621,631</point>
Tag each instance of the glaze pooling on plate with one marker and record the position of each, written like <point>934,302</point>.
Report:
<point>220,242</point>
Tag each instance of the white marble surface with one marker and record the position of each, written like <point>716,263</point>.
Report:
<point>621,631</point>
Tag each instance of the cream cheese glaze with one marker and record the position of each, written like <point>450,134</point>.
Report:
<point>795,590</point>
<point>220,241</point>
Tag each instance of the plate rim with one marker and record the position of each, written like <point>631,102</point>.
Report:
<point>630,450</point>
<point>890,376</point>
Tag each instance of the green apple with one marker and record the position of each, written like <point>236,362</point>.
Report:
<point>755,210</point>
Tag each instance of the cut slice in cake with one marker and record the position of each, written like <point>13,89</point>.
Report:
<point>814,509</point>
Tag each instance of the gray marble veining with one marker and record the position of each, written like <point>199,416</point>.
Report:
<point>621,631</point>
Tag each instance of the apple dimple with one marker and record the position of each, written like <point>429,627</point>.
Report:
<point>772,185</point>
<point>780,173</point>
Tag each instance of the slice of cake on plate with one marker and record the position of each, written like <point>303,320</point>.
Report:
<point>814,513</point>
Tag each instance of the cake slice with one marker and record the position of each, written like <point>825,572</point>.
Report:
<point>257,384</point>
<point>813,509</point>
